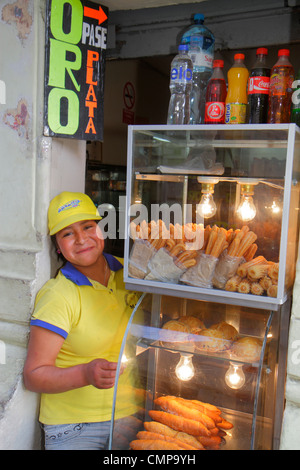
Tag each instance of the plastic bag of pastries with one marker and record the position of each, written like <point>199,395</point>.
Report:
<point>202,273</point>
<point>170,262</point>
<point>240,242</point>
<point>142,250</point>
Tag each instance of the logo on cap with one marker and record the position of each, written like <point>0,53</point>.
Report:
<point>69,205</point>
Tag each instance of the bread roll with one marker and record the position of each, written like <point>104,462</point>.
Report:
<point>247,349</point>
<point>175,339</point>
<point>189,426</point>
<point>228,330</point>
<point>178,406</point>
<point>212,340</point>
<point>192,322</point>
<point>153,444</point>
<point>156,427</point>
<point>155,436</point>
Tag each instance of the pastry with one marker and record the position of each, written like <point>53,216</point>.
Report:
<point>247,348</point>
<point>257,271</point>
<point>175,335</point>
<point>211,340</point>
<point>192,322</point>
<point>242,270</point>
<point>229,332</point>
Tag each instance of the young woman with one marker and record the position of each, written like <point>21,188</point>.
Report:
<point>76,330</point>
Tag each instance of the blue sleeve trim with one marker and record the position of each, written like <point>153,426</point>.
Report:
<point>48,326</point>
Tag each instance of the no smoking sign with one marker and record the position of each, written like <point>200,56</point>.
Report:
<point>129,102</point>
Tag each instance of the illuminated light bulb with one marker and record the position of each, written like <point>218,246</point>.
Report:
<point>207,206</point>
<point>246,209</point>
<point>185,369</point>
<point>235,377</point>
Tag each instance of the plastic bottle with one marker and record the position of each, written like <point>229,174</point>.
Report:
<point>280,97</point>
<point>258,88</point>
<point>201,44</point>
<point>295,113</point>
<point>181,77</point>
<point>216,95</point>
<point>236,99</point>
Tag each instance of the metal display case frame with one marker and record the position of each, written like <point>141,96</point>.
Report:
<point>285,137</point>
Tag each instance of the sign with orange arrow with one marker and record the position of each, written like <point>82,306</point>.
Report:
<point>76,36</point>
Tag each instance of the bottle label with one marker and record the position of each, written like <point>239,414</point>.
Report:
<point>280,84</point>
<point>235,113</point>
<point>181,74</point>
<point>214,111</point>
<point>201,59</point>
<point>258,85</point>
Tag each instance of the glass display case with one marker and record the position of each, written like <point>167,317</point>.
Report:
<point>182,390</point>
<point>212,220</point>
<point>207,205</point>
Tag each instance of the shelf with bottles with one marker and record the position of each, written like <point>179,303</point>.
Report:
<point>241,182</point>
<point>161,377</point>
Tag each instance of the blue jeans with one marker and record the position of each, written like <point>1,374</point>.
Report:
<point>77,436</point>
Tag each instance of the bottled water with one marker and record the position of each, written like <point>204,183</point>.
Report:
<point>201,43</point>
<point>180,87</point>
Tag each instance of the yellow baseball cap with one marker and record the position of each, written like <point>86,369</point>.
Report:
<point>67,208</point>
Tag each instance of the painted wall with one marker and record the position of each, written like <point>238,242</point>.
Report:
<point>33,169</point>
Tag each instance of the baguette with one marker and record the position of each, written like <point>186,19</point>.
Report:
<point>190,426</point>
<point>208,406</point>
<point>146,435</point>
<point>224,424</point>
<point>153,444</point>
<point>193,404</point>
<point>212,443</point>
<point>177,406</point>
<point>163,429</point>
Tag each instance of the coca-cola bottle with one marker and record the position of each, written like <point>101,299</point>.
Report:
<point>258,89</point>
<point>216,95</point>
<point>281,83</point>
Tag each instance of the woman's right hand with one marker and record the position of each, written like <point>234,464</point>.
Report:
<point>101,373</point>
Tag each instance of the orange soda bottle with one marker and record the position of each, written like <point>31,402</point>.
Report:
<point>281,82</point>
<point>236,99</point>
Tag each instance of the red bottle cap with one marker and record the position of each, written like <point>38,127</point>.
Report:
<point>239,56</point>
<point>262,50</point>
<point>218,63</point>
<point>283,52</point>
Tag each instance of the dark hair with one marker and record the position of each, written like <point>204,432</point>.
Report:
<point>60,256</point>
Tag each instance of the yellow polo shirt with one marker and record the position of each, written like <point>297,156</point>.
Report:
<point>92,319</point>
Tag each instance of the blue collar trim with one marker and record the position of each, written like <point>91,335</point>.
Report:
<point>71,273</point>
